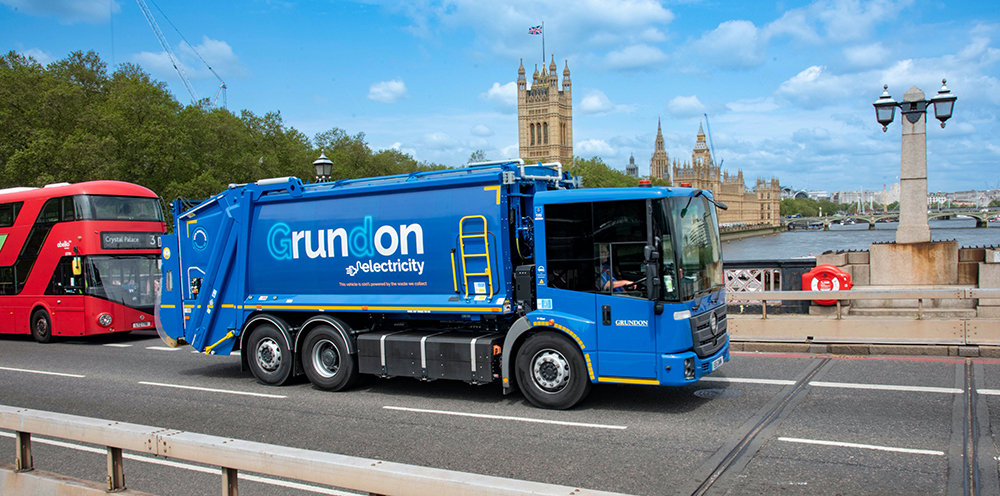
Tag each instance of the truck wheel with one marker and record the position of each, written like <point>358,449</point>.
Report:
<point>41,326</point>
<point>551,371</point>
<point>326,361</point>
<point>270,360</point>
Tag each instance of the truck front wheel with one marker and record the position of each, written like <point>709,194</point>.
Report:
<point>270,360</point>
<point>551,371</point>
<point>326,361</point>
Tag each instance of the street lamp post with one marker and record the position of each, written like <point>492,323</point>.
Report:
<point>324,167</point>
<point>913,226</point>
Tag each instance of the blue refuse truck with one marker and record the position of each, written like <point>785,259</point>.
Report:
<point>495,271</point>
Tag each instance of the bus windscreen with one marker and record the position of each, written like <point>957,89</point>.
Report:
<point>132,281</point>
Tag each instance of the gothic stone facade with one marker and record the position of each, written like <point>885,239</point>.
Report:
<point>762,205</point>
<point>545,116</point>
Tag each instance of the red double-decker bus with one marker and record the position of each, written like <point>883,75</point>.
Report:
<point>78,259</point>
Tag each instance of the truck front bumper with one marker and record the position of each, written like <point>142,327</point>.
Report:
<point>680,369</point>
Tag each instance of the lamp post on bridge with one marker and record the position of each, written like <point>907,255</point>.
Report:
<point>913,225</point>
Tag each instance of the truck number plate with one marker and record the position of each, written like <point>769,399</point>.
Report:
<point>136,325</point>
<point>717,363</point>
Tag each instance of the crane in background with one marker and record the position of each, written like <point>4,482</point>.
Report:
<point>711,146</point>
<point>176,63</point>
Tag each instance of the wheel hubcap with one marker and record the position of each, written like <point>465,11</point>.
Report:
<point>41,327</point>
<point>268,354</point>
<point>325,358</point>
<point>550,370</point>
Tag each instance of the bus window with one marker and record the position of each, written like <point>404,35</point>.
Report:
<point>8,213</point>
<point>68,213</point>
<point>50,211</point>
<point>94,207</point>
<point>7,281</point>
<point>63,281</point>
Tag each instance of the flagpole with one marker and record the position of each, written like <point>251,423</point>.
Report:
<point>543,43</point>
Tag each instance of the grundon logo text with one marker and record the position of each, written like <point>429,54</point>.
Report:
<point>362,241</point>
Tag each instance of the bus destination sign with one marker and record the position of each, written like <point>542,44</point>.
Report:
<point>129,240</point>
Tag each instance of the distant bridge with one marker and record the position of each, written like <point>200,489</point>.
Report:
<point>982,217</point>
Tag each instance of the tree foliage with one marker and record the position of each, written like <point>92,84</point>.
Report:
<point>597,174</point>
<point>72,121</point>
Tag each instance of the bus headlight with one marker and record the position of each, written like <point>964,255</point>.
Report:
<point>104,319</point>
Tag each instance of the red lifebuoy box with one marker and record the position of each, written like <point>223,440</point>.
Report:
<point>826,278</point>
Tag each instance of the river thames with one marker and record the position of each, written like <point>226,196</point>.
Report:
<point>804,243</point>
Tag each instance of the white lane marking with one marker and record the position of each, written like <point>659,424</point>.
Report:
<point>162,348</point>
<point>775,382</point>
<point>501,417</point>
<point>886,387</point>
<point>196,388</point>
<point>991,392</point>
<point>862,446</point>
<point>194,468</point>
<point>118,345</point>
<point>60,374</point>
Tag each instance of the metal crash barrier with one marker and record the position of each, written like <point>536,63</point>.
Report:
<point>233,455</point>
<point>880,294</point>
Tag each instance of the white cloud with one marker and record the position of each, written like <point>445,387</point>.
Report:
<point>734,45</point>
<point>762,104</point>
<point>481,130</point>
<point>593,147</point>
<point>39,55</point>
<point>635,57</point>
<point>589,26</point>
<point>217,53</point>
<point>440,141</point>
<point>685,106</point>
<point>504,97</point>
<point>866,55</point>
<point>815,87</point>
<point>846,20</point>
<point>68,11</point>
<point>596,102</point>
<point>387,91</point>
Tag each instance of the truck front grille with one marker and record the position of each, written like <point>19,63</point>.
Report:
<point>706,343</point>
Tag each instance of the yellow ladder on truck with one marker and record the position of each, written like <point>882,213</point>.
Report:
<point>484,234</point>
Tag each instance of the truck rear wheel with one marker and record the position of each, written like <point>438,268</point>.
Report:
<point>326,361</point>
<point>551,371</point>
<point>270,359</point>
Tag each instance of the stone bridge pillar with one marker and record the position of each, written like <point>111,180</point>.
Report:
<point>913,226</point>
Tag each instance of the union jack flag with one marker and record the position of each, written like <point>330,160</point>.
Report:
<point>535,30</point>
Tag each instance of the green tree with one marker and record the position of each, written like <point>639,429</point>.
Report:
<point>597,174</point>
<point>477,156</point>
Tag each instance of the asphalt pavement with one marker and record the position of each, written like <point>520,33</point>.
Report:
<point>765,423</point>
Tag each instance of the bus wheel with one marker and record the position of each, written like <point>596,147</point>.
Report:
<point>41,326</point>
<point>270,360</point>
<point>326,361</point>
<point>551,371</point>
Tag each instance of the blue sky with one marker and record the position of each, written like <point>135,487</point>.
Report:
<point>787,86</point>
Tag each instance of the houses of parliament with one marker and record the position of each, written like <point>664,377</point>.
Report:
<point>545,134</point>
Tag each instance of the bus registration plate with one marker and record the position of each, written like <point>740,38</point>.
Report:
<point>136,325</point>
<point>717,363</point>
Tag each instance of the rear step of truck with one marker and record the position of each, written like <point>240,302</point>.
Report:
<point>430,354</point>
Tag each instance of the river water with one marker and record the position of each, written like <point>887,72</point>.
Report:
<point>804,243</point>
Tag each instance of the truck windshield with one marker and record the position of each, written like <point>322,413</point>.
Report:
<point>692,256</point>
<point>132,281</point>
<point>96,207</point>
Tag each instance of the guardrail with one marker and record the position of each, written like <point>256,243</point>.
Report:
<point>877,294</point>
<point>375,477</point>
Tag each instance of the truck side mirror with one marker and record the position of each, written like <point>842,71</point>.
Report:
<point>77,266</point>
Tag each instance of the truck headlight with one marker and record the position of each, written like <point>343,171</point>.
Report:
<point>104,319</point>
